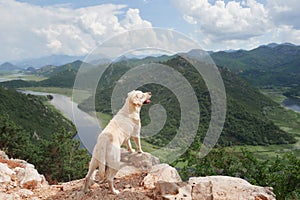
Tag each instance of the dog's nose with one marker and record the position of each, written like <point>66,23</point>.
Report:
<point>149,93</point>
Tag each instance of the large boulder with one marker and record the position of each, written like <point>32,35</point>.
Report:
<point>133,163</point>
<point>143,161</point>
<point>161,172</point>
<point>15,173</point>
<point>173,191</point>
<point>225,187</point>
<point>30,178</point>
<point>5,173</point>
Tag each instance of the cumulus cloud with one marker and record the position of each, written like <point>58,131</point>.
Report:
<point>34,31</point>
<point>232,20</point>
<point>236,23</point>
<point>284,12</point>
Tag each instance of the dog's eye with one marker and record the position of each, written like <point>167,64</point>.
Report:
<point>142,96</point>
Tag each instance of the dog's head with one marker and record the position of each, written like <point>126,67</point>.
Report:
<point>139,98</point>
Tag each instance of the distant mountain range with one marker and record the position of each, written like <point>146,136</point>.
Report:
<point>9,67</point>
<point>272,56</point>
<point>267,65</point>
<point>246,122</point>
<point>272,45</point>
<point>56,60</point>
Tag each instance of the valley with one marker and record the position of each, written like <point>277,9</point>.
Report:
<point>289,123</point>
<point>258,121</point>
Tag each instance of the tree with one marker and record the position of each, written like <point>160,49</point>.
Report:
<point>282,174</point>
<point>59,158</point>
<point>64,159</point>
<point>15,141</point>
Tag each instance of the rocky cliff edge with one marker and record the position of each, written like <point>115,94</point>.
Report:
<point>143,177</point>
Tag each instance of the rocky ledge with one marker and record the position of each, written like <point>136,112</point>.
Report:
<point>143,177</point>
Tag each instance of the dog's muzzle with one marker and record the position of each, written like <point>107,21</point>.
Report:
<point>148,100</point>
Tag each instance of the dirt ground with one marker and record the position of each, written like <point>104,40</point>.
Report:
<point>130,188</point>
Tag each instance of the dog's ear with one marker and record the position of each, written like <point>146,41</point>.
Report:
<point>136,99</point>
<point>133,97</point>
<point>130,93</point>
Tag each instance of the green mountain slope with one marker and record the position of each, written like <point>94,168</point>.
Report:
<point>60,76</point>
<point>277,65</point>
<point>51,70</point>
<point>246,122</point>
<point>30,113</point>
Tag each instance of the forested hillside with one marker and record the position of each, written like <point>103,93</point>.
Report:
<point>276,65</point>
<point>246,106</point>
<point>37,133</point>
<point>59,157</point>
<point>245,123</point>
<point>30,113</point>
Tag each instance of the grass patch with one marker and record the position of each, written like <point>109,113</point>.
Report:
<point>286,119</point>
<point>147,147</point>
<point>54,90</point>
<point>33,78</point>
<point>27,77</point>
<point>275,94</point>
<point>104,118</point>
<point>82,95</point>
<point>269,152</point>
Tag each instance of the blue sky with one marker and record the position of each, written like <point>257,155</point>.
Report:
<point>35,28</point>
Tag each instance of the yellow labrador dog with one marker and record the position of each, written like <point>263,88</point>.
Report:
<point>124,125</point>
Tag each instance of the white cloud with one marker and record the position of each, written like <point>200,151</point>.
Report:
<point>286,33</point>
<point>133,20</point>
<point>285,12</point>
<point>221,21</point>
<point>34,31</point>
<point>242,24</point>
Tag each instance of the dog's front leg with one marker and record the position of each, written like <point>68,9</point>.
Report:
<point>137,142</point>
<point>129,147</point>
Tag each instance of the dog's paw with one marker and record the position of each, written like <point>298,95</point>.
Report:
<point>131,150</point>
<point>116,192</point>
<point>140,151</point>
<point>85,187</point>
<point>85,190</point>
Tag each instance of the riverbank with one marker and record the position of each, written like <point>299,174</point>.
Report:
<point>292,103</point>
<point>87,126</point>
<point>286,119</point>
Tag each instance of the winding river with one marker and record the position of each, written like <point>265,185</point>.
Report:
<point>87,126</point>
<point>292,103</point>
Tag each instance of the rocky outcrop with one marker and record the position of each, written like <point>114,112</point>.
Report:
<point>141,177</point>
<point>225,187</point>
<point>18,178</point>
<point>162,173</point>
<point>133,163</point>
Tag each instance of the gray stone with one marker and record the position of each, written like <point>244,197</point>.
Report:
<point>161,172</point>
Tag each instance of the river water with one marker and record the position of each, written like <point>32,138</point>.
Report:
<point>87,126</point>
<point>292,103</point>
<point>3,79</point>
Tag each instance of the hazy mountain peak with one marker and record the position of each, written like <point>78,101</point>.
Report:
<point>55,60</point>
<point>8,67</point>
<point>273,45</point>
